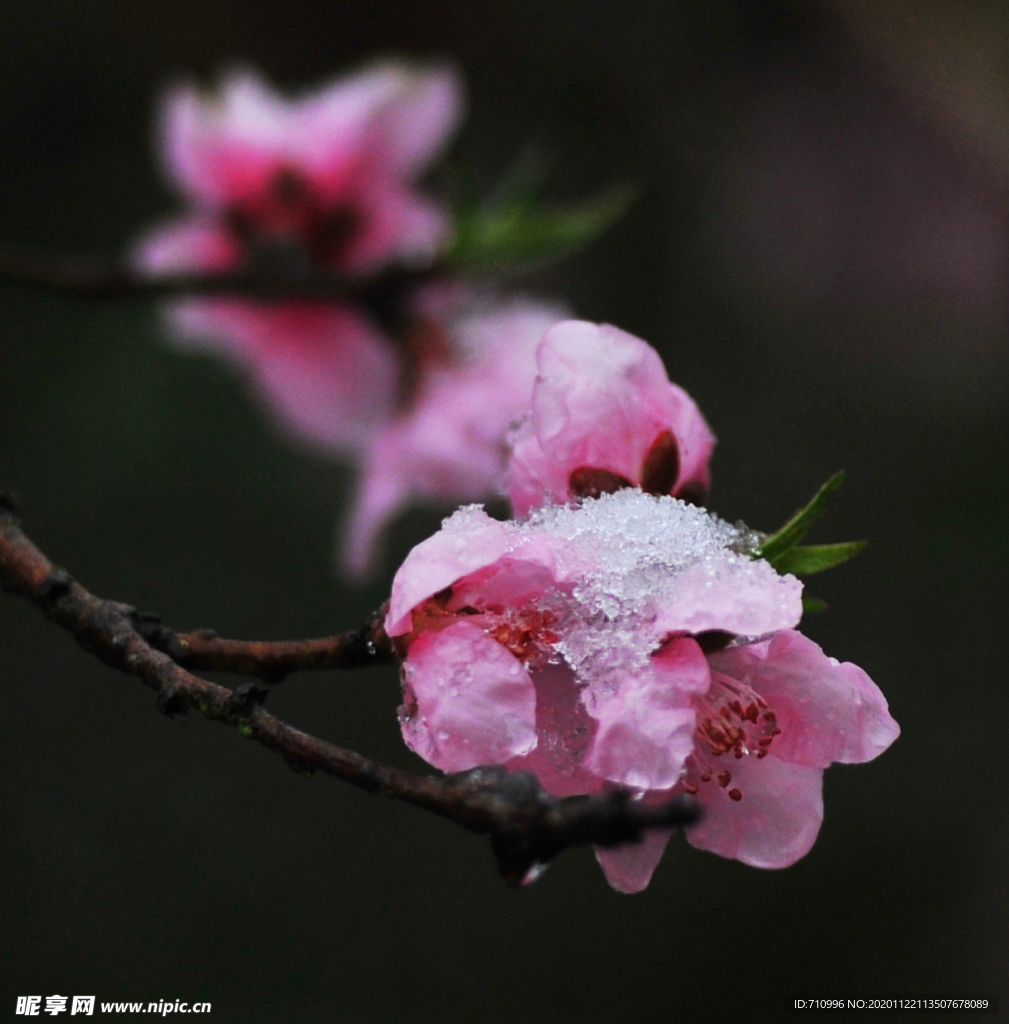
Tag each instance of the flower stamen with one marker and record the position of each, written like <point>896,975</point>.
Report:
<point>528,635</point>
<point>732,718</point>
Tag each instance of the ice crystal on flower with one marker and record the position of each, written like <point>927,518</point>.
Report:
<point>630,557</point>
<point>652,651</point>
<point>631,549</point>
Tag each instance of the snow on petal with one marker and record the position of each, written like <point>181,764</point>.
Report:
<point>596,602</point>
<point>827,711</point>
<point>603,402</point>
<point>776,821</point>
<point>733,593</point>
<point>467,700</point>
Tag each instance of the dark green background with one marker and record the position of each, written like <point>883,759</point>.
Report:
<point>821,267</point>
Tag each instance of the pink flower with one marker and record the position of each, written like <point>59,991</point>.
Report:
<point>448,442</point>
<point>605,416</point>
<point>325,180</point>
<point>630,641</point>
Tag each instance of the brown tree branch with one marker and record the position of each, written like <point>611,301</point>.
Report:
<point>527,827</point>
<point>94,280</point>
<point>271,661</point>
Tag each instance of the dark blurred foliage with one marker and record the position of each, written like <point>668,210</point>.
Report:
<point>820,255</point>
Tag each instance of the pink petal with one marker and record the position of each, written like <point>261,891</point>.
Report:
<point>399,222</point>
<point>189,243</point>
<point>362,124</point>
<point>775,822</point>
<point>486,562</point>
<point>417,126</point>
<point>601,399</point>
<point>468,541</point>
<point>328,375</point>
<point>468,700</point>
<point>455,436</point>
<point>646,727</point>
<point>564,732</point>
<point>696,444</point>
<point>332,129</point>
<point>515,581</point>
<point>409,459</point>
<point>826,711</point>
<point>179,120</point>
<point>450,444</point>
<point>629,868</point>
<point>732,593</point>
<point>219,151</point>
<point>379,495</point>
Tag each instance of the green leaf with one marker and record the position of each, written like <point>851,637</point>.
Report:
<point>804,561</point>
<point>796,528</point>
<point>814,605</point>
<point>517,231</point>
<point>522,185</point>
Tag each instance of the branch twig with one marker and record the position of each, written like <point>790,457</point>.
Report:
<point>528,828</point>
<point>271,661</point>
<point>93,280</point>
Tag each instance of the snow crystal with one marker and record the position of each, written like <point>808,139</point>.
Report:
<point>622,561</point>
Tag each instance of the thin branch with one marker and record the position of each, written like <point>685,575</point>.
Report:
<point>92,280</point>
<point>271,661</point>
<point>528,828</point>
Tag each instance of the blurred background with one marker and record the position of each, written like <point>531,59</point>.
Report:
<point>820,253</point>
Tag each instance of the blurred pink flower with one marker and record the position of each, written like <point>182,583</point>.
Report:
<point>448,442</point>
<point>633,641</point>
<point>325,180</point>
<point>605,416</point>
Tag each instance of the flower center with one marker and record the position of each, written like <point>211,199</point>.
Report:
<point>289,230</point>
<point>527,633</point>
<point>731,718</point>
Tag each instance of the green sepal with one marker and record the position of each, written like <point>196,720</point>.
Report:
<point>804,561</point>
<point>796,528</point>
<point>813,605</point>
<point>517,228</point>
